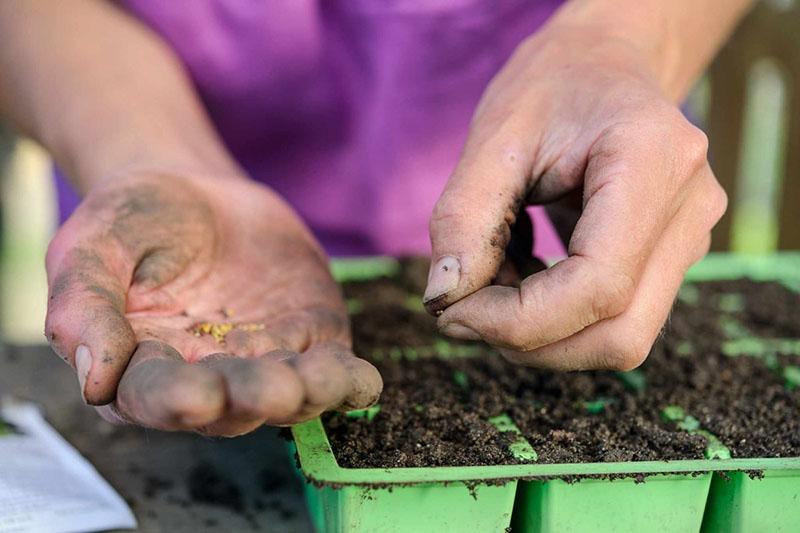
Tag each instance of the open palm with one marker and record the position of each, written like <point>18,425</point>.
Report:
<point>200,304</point>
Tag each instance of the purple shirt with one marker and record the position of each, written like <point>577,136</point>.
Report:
<point>355,111</point>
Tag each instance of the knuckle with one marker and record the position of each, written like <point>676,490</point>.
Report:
<point>613,293</point>
<point>445,210</point>
<point>59,247</point>
<point>57,331</point>
<point>325,381</point>
<point>717,201</point>
<point>627,350</point>
<point>694,145</point>
<point>519,335</point>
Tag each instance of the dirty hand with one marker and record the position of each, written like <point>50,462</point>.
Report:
<point>200,304</point>
<point>573,119</point>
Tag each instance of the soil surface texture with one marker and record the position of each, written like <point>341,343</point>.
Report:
<point>722,363</point>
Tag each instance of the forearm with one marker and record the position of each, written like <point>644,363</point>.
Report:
<point>101,92</point>
<point>677,38</point>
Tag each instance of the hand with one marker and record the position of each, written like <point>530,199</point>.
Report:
<point>200,304</point>
<point>574,112</point>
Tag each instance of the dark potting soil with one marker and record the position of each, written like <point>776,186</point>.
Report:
<point>435,410</point>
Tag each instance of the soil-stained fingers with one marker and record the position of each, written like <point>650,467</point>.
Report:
<point>626,209</point>
<point>334,378</point>
<point>85,321</point>
<point>258,391</point>
<point>624,341</point>
<point>161,390</point>
<point>470,226</point>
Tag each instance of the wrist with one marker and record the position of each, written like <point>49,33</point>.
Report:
<point>673,40</point>
<point>89,160</point>
<point>639,33</point>
<point>96,139</point>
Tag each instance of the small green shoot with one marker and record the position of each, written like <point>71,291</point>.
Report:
<point>634,380</point>
<point>689,294</point>
<point>715,449</point>
<point>354,306</point>
<point>732,328</point>
<point>521,449</point>
<point>369,413</point>
<point>461,379</point>
<point>395,353</point>
<point>685,348</point>
<point>758,347</point>
<point>443,348</point>
<point>791,373</point>
<point>410,353</point>
<point>731,303</point>
<point>414,303</point>
<point>597,406</point>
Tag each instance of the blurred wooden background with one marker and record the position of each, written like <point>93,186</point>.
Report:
<point>755,146</point>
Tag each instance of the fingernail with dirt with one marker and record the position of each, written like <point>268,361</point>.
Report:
<point>83,363</point>
<point>457,331</point>
<point>443,278</point>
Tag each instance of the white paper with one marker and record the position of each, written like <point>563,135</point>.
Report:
<point>46,486</point>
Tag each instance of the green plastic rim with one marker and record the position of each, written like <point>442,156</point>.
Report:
<point>319,463</point>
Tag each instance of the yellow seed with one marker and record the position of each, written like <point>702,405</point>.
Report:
<point>218,331</point>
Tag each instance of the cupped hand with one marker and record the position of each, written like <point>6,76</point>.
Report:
<point>574,118</point>
<point>200,304</point>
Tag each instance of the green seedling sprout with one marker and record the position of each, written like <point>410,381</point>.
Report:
<point>470,350</point>
<point>791,374</point>
<point>731,303</point>
<point>354,306</point>
<point>521,449</point>
<point>758,347</point>
<point>685,348</point>
<point>414,303</point>
<point>732,328</point>
<point>689,294</point>
<point>751,346</point>
<point>369,413</point>
<point>633,380</point>
<point>461,379</point>
<point>410,353</point>
<point>443,348</point>
<point>597,406</point>
<point>715,449</point>
<point>772,362</point>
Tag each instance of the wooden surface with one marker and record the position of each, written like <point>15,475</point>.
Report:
<point>767,32</point>
<point>150,468</point>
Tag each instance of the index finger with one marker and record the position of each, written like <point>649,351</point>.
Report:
<point>626,208</point>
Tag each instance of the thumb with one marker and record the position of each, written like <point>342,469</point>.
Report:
<point>471,223</point>
<point>86,322</point>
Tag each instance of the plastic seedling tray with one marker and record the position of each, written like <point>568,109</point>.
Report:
<point>714,494</point>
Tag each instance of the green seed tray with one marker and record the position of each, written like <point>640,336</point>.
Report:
<point>713,495</point>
